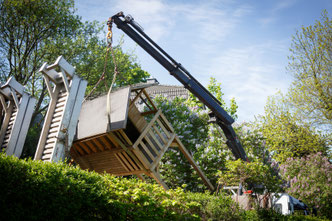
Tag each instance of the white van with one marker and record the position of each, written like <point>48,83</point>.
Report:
<point>287,205</point>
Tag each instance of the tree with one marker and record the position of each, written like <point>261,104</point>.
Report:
<point>251,175</point>
<point>38,31</point>
<point>189,119</point>
<point>285,135</point>
<point>310,181</point>
<point>33,32</point>
<point>26,28</point>
<point>311,65</point>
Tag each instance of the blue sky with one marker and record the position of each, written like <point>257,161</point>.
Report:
<point>243,44</point>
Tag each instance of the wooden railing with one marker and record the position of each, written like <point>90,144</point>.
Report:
<point>154,141</point>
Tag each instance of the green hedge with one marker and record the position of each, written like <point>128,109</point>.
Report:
<point>33,190</point>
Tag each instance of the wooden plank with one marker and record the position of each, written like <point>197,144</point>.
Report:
<point>12,83</point>
<point>91,146</point>
<point>156,176</point>
<point>154,149</point>
<point>193,163</point>
<point>118,135</point>
<point>125,161</point>
<point>113,141</point>
<point>149,112</point>
<point>130,161</point>
<point>148,97</point>
<point>106,142</point>
<point>124,135</point>
<point>62,63</point>
<point>146,149</point>
<point>85,147</point>
<point>156,140</point>
<point>98,144</point>
<point>137,96</point>
<point>147,128</point>
<point>135,117</point>
<point>164,119</point>
<point>159,134</point>
<point>78,159</point>
<point>161,125</point>
<point>133,156</point>
<point>122,163</point>
<point>79,149</point>
<point>128,173</point>
<point>161,153</point>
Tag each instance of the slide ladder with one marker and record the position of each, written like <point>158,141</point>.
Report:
<point>16,111</point>
<point>66,91</point>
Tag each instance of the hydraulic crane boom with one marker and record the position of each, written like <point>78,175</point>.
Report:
<point>218,114</point>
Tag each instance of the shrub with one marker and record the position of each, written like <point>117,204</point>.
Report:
<point>35,190</point>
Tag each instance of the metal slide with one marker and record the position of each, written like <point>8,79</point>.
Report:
<point>67,92</point>
<point>218,114</point>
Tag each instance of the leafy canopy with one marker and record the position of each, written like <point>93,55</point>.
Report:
<point>311,66</point>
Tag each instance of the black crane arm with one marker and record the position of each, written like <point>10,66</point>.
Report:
<point>222,118</point>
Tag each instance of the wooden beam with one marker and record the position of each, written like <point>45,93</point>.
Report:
<point>147,128</point>
<point>133,156</point>
<point>161,153</point>
<point>156,176</point>
<point>148,97</point>
<point>137,96</point>
<point>193,163</point>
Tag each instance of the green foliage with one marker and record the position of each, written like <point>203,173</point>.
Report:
<point>35,190</point>
<point>285,135</point>
<point>249,173</point>
<point>192,130</point>
<point>190,121</point>
<point>38,31</point>
<point>27,29</point>
<point>310,180</point>
<point>269,214</point>
<point>310,64</point>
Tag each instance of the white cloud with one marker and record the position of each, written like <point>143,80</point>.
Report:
<point>250,75</point>
<point>273,13</point>
<point>212,20</point>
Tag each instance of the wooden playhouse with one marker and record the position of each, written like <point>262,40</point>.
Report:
<point>129,138</point>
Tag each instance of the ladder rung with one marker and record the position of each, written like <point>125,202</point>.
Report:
<point>56,119</point>
<point>62,99</point>
<point>46,157</point>
<point>55,124</point>
<point>59,114</point>
<point>51,140</point>
<point>54,130</point>
<point>59,109</point>
<point>51,135</point>
<point>49,146</point>
<point>60,105</point>
<point>62,94</point>
<point>48,151</point>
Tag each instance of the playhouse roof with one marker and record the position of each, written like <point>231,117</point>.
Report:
<point>93,118</point>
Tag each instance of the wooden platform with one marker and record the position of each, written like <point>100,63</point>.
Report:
<point>134,142</point>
